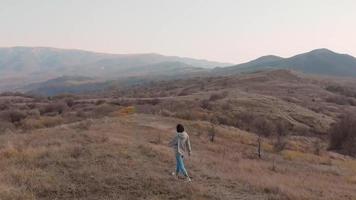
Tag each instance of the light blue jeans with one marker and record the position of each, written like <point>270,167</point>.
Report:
<point>180,165</point>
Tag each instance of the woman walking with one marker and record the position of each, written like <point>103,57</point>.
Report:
<point>181,145</point>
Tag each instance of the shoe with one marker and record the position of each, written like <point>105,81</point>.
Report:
<point>175,175</point>
<point>189,179</point>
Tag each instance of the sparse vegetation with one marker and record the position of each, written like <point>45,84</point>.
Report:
<point>12,116</point>
<point>342,90</point>
<point>53,108</point>
<point>343,135</point>
<point>218,96</point>
<point>96,160</point>
<point>212,132</point>
<point>281,132</point>
<point>114,147</point>
<point>263,126</point>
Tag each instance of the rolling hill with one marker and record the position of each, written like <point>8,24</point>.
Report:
<point>35,64</point>
<point>21,66</point>
<point>319,61</point>
<point>114,145</point>
<point>80,85</point>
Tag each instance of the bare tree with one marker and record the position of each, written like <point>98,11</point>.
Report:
<point>212,131</point>
<point>263,127</point>
<point>259,141</point>
<point>281,133</point>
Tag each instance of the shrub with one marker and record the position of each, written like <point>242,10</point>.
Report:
<point>340,100</point>
<point>281,131</point>
<point>205,104</point>
<point>263,126</point>
<point>187,115</point>
<point>127,110</point>
<point>343,90</point>
<point>69,101</point>
<point>166,113</point>
<point>184,92</point>
<point>223,119</point>
<point>83,125</point>
<point>245,120</point>
<point>99,102</point>
<point>51,121</point>
<point>31,105</point>
<point>154,101</point>
<point>57,108</point>
<point>82,114</point>
<point>12,116</point>
<point>119,102</point>
<point>104,110</point>
<point>5,126</point>
<point>4,106</point>
<point>218,96</point>
<point>352,101</point>
<point>42,122</point>
<point>146,108</point>
<point>226,106</point>
<point>34,113</point>
<point>343,135</point>
<point>317,147</point>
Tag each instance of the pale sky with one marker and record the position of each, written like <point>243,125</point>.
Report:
<point>221,30</point>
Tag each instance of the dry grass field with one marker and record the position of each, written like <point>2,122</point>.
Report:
<point>114,145</point>
<point>126,157</point>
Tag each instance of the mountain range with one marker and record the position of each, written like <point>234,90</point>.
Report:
<point>51,71</point>
<point>44,62</point>
<point>319,62</point>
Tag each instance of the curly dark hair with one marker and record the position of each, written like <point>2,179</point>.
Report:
<point>180,128</point>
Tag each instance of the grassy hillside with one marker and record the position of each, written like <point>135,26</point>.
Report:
<point>306,105</point>
<point>114,145</point>
<point>126,157</point>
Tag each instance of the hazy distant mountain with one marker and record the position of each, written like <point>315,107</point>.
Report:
<point>66,84</point>
<point>41,61</point>
<point>82,84</point>
<point>319,61</point>
<point>81,71</point>
<point>20,66</point>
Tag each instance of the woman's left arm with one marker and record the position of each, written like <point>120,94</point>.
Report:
<point>188,146</point>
